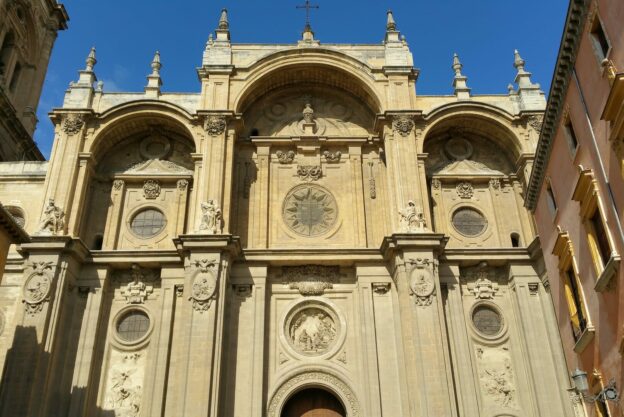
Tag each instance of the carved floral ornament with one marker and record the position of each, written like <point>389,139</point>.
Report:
<point>465,190</point>
<point>421,281</point>
<point>37,287</point>
<point>403,125</point>
<point>151,189</point>
<point>309,173</point>
<point>332,156</point>
<point>285,157</point>
<point>72,123</point>
<point>203,284</point>
<point>215,125</point>
<point>310,279</point>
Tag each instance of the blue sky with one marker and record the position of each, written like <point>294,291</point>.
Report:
<point>127,33</point>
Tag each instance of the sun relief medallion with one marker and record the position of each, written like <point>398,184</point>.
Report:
<point>309,210</point>
<point>311,331</point>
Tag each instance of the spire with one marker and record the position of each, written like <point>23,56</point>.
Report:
<point>391,24</point>
<point>459,81</point>
<point>523,77</point>
<point>91,61</point>
<point>154,82</point>
<point>531,97</point>
<point>223,21</point>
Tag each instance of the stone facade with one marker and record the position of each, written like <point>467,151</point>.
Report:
<point>28,30</point>
<point>306,220</point>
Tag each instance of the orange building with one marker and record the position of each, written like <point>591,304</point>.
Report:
<point>577,195</point>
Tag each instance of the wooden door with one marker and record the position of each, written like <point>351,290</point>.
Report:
<point>313,403</point>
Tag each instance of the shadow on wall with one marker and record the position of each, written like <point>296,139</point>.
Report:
<point>24,374</point>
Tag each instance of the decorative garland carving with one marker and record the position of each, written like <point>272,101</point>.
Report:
<point>403,124</point>
<point>332,156</point>
<point>215,125</point>
<point>309,173</point>
<point>316,378</point>
<point>203,284</point>
<point>37,287</point>
<point>421,282</point>
<point>151,189</point>
<point>465,190</point>
<point>310,279</point>
<point>72,123</point>
<point>285,157</point>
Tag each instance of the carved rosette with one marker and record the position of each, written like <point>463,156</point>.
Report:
<point>310,279</point>
<point>403,125</point>
<point>203,284</point>
<point>151,189</point>
<point>215,125</point>
<point>37,287</point>
<point>72,123</point>
<point>309,173</point>
<point>285,157</point>
<point>421,282</point>
<point>465,190</point>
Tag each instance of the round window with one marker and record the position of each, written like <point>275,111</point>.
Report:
<point>148,223</point>
<point>487,320</point>
<point>469,222</point>
<point>133,325</point>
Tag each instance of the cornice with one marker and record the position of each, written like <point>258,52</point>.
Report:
<point>566,58</point>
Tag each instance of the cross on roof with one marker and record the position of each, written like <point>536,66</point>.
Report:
<point>308,6</point>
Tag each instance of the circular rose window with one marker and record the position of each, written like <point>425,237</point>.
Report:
<point>148,223</point>
<point>487,320</point>
<point>309,210</point>
<point>133,325</point>
<point>469,222</point>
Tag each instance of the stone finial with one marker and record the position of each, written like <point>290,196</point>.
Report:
<point>156,65</point>
<point>510,89</point>
<point>391,23</point>
<point>224,24</point>
<point>518,61</point>
<point>91,61</point>
<point>523,77</point>
<point>459,81</point>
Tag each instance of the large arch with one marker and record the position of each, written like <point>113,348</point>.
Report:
<point>310,377</point>
<point>128,119</point>
<point>323,66</point>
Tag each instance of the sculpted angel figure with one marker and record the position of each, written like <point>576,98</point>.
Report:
<point>411,220</point>
<point>53,219</point>
<point>211,218</point>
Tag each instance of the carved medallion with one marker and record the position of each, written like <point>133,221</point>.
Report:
<point>72,123</point>
<point>309,173</point>
<point>151,189</point>
<point>37,287</point>
<point>215,125</point>
<point>403,124</point>
<point>309,210</point>
<point>204,285</point>
<point>312,331</point>
<point>421,282</point>
<point>465,190</point>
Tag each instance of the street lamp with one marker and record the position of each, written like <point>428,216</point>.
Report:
<point>608,393</point>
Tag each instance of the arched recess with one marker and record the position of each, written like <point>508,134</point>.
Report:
<point>143,166</point>
<point>308,377</point>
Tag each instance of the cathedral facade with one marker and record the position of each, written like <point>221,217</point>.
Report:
<point>305,232</point>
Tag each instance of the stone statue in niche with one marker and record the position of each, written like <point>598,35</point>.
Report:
<point>312,331</point>
<point>53,220</point>
<point>211,218</point>
<point>412,220</point>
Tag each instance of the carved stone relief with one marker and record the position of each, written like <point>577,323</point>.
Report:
<point>332,156</point>
<point>137,283</point>
<point>182,185</point>
<point>381,288</point>
<point>536,121</point>
<point>37,287</point>
<point>285,157</point>
<point>411,219</point>
<point>372,186</point>
<point>403,125</point>
<point>310,279</point>
<point>311,331</point>
<point>496,376</point>
<point>465,190</point>
<point>309,210</point>
<point>421,281</point>
<point>72,123</point>
<point>215,125</point>
<point>203,284</point>
<point>481,281</point>
<point>118,184</point>
<point>309,173</point>
<point>151,189</point>
<point>124,388</point>
<point>53,220</point>
<point>211,219</point>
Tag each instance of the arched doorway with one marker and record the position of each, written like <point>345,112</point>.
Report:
<point>313,402</point>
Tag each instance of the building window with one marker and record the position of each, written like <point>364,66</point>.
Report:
<point>133,325</point>
<point>148,223</point>
<point>570,136</point>
<point>550,200</point>
<point>17,71</point>
<point>598,238</point>
<point>599,39</point>
<point>582,331</point>
<point>515,240</point>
